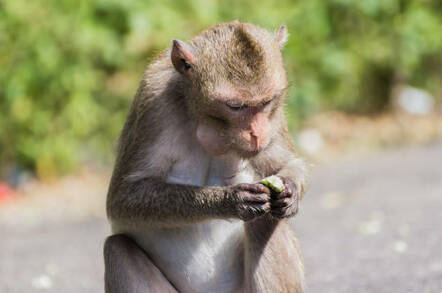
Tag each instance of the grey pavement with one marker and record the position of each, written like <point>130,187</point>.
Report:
<point>371,224</point>
<point>375,224</point>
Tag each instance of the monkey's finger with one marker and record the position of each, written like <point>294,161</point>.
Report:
<point>278,212</point>
<point>283,194</point>
<point>284,211</point>
<point>251,211</point>
<point>259,208</point>
<point>255,198</point>
<point>285,202</point>
<point>289,184</point>
<point>255,188</point>
<point>280,215</point>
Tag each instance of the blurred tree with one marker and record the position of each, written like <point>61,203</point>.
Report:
<point>69,68</point>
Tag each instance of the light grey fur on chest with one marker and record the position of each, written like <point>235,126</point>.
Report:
<point>200,169</point>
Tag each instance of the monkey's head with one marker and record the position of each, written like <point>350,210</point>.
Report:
<point>234,82</point>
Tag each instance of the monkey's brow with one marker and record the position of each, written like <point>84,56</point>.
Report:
<point>263,101</point>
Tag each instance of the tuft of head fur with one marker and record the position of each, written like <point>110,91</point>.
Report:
<point>245,59</point>
<point>237,54</point>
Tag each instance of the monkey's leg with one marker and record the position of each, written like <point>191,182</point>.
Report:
<point>129,270</point>
<point>273,261</point>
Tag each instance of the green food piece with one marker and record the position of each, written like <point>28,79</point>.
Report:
<point>273,182</point>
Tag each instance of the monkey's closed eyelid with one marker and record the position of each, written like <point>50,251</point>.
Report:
<point>236,106</point>
<point>267,102</point>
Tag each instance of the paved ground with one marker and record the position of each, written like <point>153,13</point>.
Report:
<point>370,224</point>
<point>375,224</point>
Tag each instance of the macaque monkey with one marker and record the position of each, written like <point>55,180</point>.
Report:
<point>185,204</point>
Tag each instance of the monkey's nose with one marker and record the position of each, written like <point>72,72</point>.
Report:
<point>255,140</point>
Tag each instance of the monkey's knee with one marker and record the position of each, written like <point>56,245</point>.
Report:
<point>116,244</point>
<point>115,270</point>
<point>128,268</point>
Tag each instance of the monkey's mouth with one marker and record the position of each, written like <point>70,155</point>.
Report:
<point>246,150</point>
<point>248,153</point>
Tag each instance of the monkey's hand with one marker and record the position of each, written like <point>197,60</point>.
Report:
<point>285,203</point>
<point>250,200</point>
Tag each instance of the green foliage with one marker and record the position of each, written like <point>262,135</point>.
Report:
<point>69,68</point>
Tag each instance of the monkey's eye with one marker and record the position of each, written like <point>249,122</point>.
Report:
<point>267,102</point>
<point>236,106</point>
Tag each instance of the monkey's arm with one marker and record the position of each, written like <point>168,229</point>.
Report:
<point>273,261</point>
<point>152,201</point>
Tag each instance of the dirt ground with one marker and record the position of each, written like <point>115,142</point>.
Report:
<point>367,224</point>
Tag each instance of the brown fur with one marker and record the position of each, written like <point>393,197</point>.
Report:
<point>232,60</point>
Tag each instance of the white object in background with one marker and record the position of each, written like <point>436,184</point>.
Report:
<point>415,101</point>
<point>42,282</point>
<point>310,141</point>
<point>400,246</point>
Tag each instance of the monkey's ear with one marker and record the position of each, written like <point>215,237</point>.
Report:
<point>282,36</point>
<point>182,57</point>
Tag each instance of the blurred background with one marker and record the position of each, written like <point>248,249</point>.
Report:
<point>364,106</point>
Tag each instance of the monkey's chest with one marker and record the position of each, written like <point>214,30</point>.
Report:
<point>201,169</point>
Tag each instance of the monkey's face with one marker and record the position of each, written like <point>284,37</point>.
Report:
<point>237,124</point>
